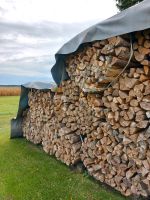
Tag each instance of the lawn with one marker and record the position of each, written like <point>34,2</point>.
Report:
<point>27,173</point>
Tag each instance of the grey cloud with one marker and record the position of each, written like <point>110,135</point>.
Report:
<point>10,44</point>
<point>33,54</point>
<point>48,36</point>
<point>33,61</point>
<point>2,10</point>
<point>42,29</point>
<point>29,66</point>
<point>19,67</point>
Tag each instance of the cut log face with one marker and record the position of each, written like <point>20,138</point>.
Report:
<point>101,115</point>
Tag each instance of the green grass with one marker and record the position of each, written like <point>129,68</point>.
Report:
<point>27,173</point>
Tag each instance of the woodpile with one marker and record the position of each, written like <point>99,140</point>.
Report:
<point>118,153</point>
<point>97,64</point>
<point>37,114</point>
<point>51,120</point>
<point>90,113</point>
<point>68,144</point>
<point>102,114</point>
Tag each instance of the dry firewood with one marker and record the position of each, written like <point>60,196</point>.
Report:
<point>139,57</point>
<point>145,105</point>
<point>101,114</point>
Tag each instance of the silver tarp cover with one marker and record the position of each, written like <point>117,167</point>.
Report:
<point>132,19</point>
<point>16,129</point>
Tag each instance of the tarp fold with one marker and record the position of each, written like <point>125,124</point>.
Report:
<point>16,129</point>
<point>133,19</point>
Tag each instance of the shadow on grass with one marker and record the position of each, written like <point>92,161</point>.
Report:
<point>27,172</point>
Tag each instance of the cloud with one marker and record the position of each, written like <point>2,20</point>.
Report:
<point>2,10</point>
<point>44,29</point>
<point>31,32</point>
<point>28,66</point>
<point>58,11</point>
<point>28,48</point>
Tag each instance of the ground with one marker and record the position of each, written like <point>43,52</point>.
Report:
<point>27,173</point>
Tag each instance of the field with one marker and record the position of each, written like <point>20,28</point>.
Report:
<point>27,173</point>
<point>9,91</point>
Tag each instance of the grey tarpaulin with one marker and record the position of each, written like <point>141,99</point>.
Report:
<point>135,18</point>
<point>16,130</point>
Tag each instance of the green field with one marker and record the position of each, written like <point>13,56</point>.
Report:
<point>27,173</point>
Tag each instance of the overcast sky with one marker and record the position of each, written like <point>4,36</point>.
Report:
<point>32,31</point>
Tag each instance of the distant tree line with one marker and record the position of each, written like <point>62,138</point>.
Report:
<point>123,4</point>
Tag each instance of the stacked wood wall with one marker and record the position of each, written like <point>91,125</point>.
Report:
<point>102,114</point>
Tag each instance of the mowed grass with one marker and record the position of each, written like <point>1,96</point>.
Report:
<point>27,173</point>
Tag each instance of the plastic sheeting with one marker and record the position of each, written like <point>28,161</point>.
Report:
<point>16,130</point>
<point>133,19</point>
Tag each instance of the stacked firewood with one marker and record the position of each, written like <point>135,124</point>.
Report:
<point>142,47</point>
<point>37,114</point>
<point>67,144</point>
<point>90,113</point>
<point>51,120</point>
<point>118,153</point>
<point>50,130</point>
<point>102,114</point>
<point>62,140</point>
<point>96,65</point>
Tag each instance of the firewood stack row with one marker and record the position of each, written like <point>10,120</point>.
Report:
<point>90,113</point>
<point>37,114</point>
<point>68,144</point>
<point>51,120</point>
<point>96,65</point>
<point>119,153</point>
<point>102,114</point>
<point>142,47</point>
